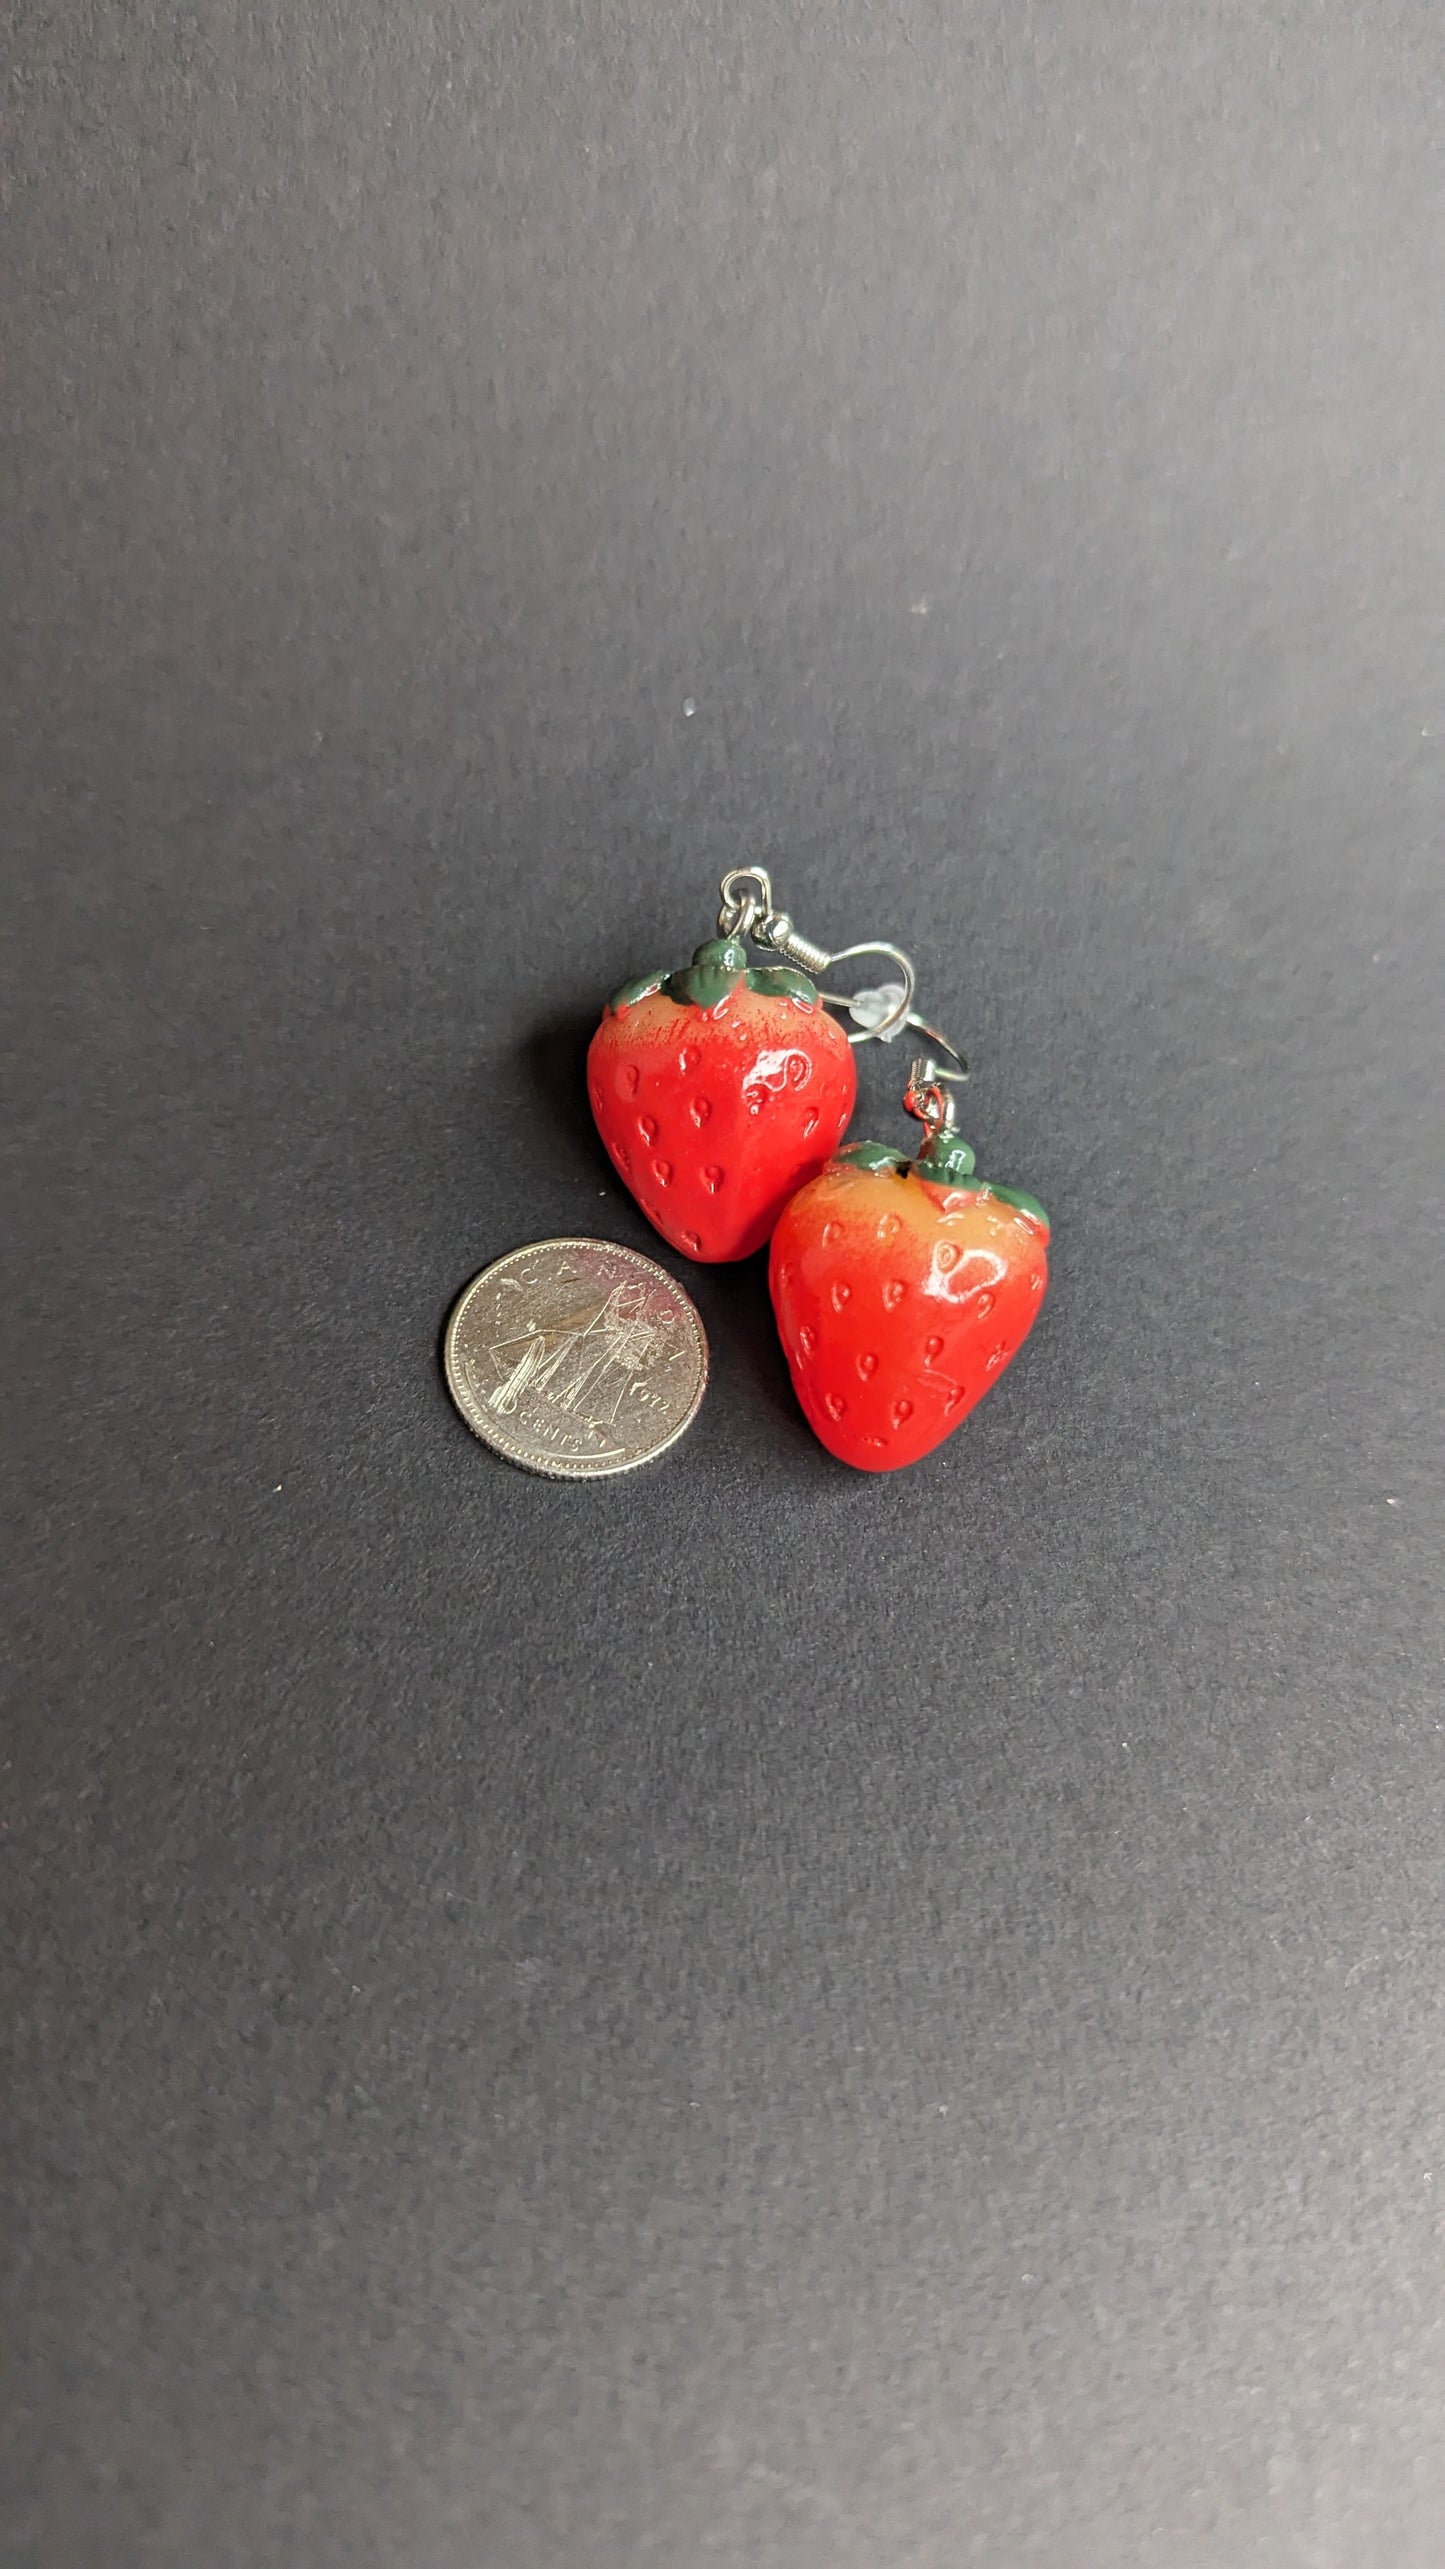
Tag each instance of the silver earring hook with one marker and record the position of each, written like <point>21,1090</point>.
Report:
<point>747,909</point>
<point>878,1014</point>
<point>938,1043</point>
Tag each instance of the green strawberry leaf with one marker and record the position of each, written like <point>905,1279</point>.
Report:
<point>712,976</point>
<point>631,991</point>
<point>872,1155</point>
<point>780,981</point>
<point>946,1159</point>
<point>1026,1203</point>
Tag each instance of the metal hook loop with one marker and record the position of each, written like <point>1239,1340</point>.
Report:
<point>740,912</point>
<point>940,1044</point>
<point>878,1015</point>
<point>925,1096</point>
<point>747,909</point>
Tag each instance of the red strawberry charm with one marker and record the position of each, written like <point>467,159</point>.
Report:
<point>902,1288</point>
<point>718,1091</point>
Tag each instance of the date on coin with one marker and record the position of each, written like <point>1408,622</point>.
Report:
<point>576,1358</point>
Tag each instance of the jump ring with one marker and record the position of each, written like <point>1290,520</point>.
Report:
<point>740,911</point>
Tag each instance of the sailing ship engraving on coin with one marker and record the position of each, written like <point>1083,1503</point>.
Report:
<point>576,1358</point>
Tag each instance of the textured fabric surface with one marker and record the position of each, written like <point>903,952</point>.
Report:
<point>747,2015</point>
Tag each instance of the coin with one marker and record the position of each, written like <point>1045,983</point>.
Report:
<point>576,1358</point>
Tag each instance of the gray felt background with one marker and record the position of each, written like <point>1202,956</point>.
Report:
<point>749,2014</point>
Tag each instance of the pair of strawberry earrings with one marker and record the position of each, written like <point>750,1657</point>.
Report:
<point>901,1287</point>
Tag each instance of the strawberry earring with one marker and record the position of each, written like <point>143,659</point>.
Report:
<point>722,1088</point>
<point>902,1288</point>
